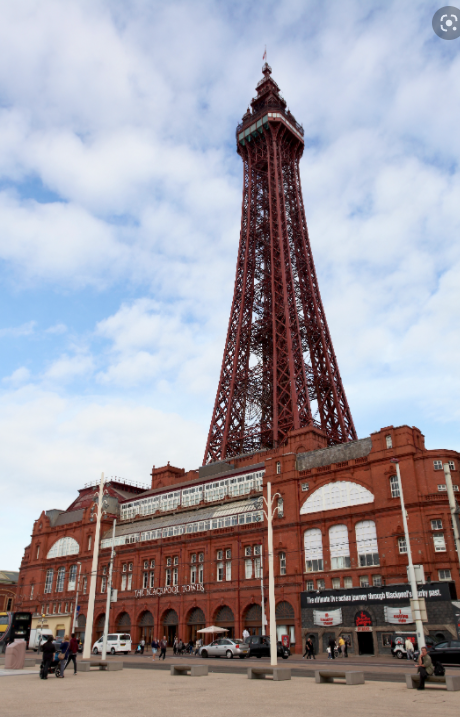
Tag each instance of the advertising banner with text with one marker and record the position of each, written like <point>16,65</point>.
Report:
<point>388,594</point>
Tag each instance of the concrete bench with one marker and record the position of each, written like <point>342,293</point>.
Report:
<point>260,673</point>
<point>195,670</point>
<point>91,665</point>
<point>452,682</point>
<point>351,678</point>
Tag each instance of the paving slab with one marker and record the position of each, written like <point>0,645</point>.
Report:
<point>145,692</point>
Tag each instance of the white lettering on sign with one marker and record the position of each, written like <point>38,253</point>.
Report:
<point>369,597</point>
<point>169,590</point>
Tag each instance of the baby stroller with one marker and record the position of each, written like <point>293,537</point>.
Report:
<point>55,668</point>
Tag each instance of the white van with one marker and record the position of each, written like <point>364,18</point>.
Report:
<point>115,643</point>
<point>38,637</point>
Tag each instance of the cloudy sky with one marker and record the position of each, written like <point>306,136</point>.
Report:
<point>120,198</point>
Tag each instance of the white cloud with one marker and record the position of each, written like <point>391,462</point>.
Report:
<point>18,377</point>
<point>68,368</point>
<point>15,331</point>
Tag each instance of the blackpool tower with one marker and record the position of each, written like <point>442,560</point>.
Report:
<point>279,371</point>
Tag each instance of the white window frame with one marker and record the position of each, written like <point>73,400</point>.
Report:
<point>439,542</point>
<point>437,465</point>
<point>248,568</point>
<point>436,524</point>
<point>220,571</point>
<point>394,487</point>
<point>282,557</point>
<point>444,574</point>
<point>313,547</point>
<point>389,441</point>
<point>339,547</point>
<point>402,545</point>
<point>228,571</point>
<point>60,580</point>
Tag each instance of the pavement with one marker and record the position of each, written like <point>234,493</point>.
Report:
<point>146,692</point>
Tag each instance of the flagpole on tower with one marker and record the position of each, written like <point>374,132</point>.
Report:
<point>264,56</point>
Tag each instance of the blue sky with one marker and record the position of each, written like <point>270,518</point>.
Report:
<point>120,200</point>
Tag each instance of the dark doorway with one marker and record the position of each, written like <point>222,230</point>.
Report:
<point>365,643</point>
<point>171,634</point>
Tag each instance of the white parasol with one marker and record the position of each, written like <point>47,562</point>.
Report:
<point>213,629</point>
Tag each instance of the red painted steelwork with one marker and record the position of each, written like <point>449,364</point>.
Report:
<point>279,370</point>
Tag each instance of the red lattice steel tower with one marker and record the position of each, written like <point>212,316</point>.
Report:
<point>279,370</point>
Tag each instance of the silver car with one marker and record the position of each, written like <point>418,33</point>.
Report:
<point>225,647</point>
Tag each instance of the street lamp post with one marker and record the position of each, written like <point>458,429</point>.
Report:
<point>453,508</point>
<point>271,576</point>
<point>92,587</point>
<point>411,570</point>
<point>109,594</point>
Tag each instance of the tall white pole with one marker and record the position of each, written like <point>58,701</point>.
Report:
<point>75,612</point>
<point>92,588</point>
<point>109,595</point>
<point>411,571</point>
<point>453,508</point>
<point>262,599</point>
<point>271,580</point>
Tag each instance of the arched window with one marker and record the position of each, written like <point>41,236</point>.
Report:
<point>313,542</point>
<point>339,547</point>
<point>64,546</point>
<point>340,494</point>
<point>366,543</point>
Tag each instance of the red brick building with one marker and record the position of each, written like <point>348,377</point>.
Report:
<point>8,589</point>
<point>191,550</point>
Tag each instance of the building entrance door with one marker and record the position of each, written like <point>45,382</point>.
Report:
<point>171,634</point>
<point>365,643</point>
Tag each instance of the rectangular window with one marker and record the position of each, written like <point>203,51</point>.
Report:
<point>152,563</point>
<point>193,575</point>
<point>228,571</point>
<point>176,560</point>
<point>442,487</point>
<point>31,591</point>
<point>402,545</point>
<point>60,580</point>
<point>388,442</point>
<point>66,607</point>
<point>339,547</point>
<point>313,543</point>
<point>200,574</point>
<point>220,554</point>
<point>168,577</point>
<point>130,567</point>
<point>310,585</point>
<point>451,465</point>
<point>220,571</point>
<point>377,581</point>
<point>168,561</point>
<point>320,584</point>
<point>85,584</point>
<point>348,583</point>
<point>123,582</point>
<point>336,583</point>
<point>248,569</point>
<point>394,487</point>
<point>48,609</point>
<point>59,608</point>
<point>72,577</point>
<point>444,574</point>
<point>257,550</point>
<point>282,563</point>
<point>278,467</point>
<point>90,540</point>
<point>130,582</point>
<point>437,465</point>
<point>257,568</point>
<point>364,581</point>
<point>37,555</point>
<point>145,580</point>
<point>193,558</point>
<point>103,584</point>
<point>125,567</point>
<point>369,560</point>
<point>175,576</point>
<point>54,608</point>
<point>228,554</point>
<point>152,579</point>
<point>201,557</point>
<point>248,550</point>
<point>146,564</point>
<point>436,524</point>
<point>439,543</point>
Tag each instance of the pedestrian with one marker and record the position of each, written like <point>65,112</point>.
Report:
<point>198,644</point>
<point>175,644</point>
<point>48,656</point>
<point>190,646</point>
<point>63,654</point>
<point>245,634</point>
<point>73,650</point>
<point>180,647</point>
<point>345,648</point>
<point>409,645</point>
<point>163,646</point>
<point>311,649</point>
<point>142,644</point>
<point>341,646</point>
<point>305,654</point>
<point>425,667</point>
<point>332,645</point>
<point>154,648</point>
<point>328,650</point>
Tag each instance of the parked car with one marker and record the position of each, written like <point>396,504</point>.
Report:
<point>259,646</point>
<point>115,643</point>
<point>225,647</point>
<point>446,652</point>
<point>398,643</point>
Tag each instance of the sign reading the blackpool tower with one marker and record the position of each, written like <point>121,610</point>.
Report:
<point>169,590</point>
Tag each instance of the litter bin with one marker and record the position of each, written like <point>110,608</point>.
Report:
<point>15,655</point>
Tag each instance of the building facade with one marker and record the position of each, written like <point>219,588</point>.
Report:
<point>8,589</point>
<point>191,550</point>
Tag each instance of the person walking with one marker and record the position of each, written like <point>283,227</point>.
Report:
<point>311,649</point>
<point>345,648</point>
<point>175,645</point>
<point>48,656</point>
<point>341,646</point>
<point>332,645</point>
<point>73,650</point>
<point>190,646</point>
<point>163,646</point>
<point>63,654</point>
<point>154,648</point>
<point>142,644</point>
<point>245,634</point>
<point>425,667</point>
<point>409,645</point>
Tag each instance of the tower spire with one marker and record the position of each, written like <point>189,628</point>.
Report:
<point>279,370</point>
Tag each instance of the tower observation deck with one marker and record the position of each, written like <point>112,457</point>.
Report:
<point>279,370</point>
